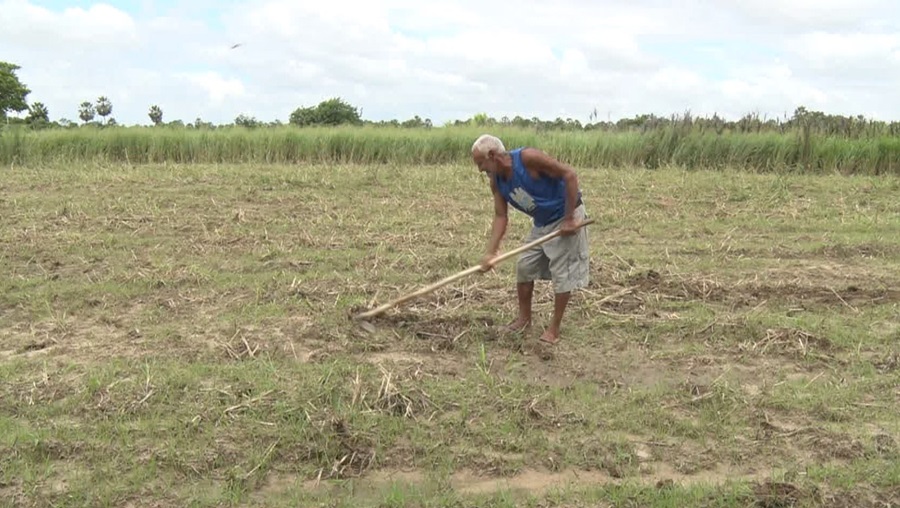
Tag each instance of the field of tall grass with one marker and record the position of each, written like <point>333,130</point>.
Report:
<point>793,151</point>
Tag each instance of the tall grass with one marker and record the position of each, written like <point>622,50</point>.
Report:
<point>669,146</point>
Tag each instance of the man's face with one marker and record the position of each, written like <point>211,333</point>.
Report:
<point>486,163</point>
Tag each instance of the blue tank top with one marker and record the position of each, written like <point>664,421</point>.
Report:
<point>542,199</point>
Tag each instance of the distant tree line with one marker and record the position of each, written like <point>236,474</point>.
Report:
<point>335,111</point>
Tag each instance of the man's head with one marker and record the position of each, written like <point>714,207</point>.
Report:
<point>489,154</point>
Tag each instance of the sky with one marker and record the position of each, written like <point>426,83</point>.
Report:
<point>449,60</point>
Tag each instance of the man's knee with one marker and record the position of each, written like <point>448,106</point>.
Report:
<point>532,266</point>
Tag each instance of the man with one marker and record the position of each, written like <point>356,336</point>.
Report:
<point>547,191</point>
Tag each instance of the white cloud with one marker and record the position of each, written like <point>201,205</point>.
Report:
<point>217,87</point>
<point>849,52</point>
<point>96,27</point>
<point>815,14</point>
<point>674,78</point>
<point>774,84</point>
<point>399,58</point>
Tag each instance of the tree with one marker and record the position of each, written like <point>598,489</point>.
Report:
<point>156,114</point>
<point>413,122</point>
<point>336,112</point>
<point>86,112</point>
<point>12,91</point>
<point>247,121</point>
<point>38,114</point>
<point>104,107</point>
<point>200,124</point>
<point>329,112</point>
<point>303,117</point>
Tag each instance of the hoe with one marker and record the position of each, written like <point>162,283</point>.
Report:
<point>468,271</point>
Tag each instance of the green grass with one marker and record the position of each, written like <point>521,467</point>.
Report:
<point>179,335</point>
<point>675,146</point>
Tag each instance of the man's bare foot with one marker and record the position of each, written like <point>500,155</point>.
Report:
<point>518,325</point>
<point>550,336</point>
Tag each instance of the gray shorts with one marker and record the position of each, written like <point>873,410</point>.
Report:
<point>565,260</point>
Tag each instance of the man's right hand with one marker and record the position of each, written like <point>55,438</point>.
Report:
<point>487,262</point>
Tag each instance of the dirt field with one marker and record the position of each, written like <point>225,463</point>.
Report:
<point>180,335</point>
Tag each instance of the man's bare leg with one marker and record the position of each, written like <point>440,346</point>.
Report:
<point>525,291</point>
<point>551,334</point>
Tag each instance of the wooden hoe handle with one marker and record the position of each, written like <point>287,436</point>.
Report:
<point>468,271</point>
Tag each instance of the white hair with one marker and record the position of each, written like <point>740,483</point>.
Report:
<point>486,143</point>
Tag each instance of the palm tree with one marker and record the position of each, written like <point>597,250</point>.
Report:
<point>155,114</point>
<point>86,112</point>
<point>104,107</point>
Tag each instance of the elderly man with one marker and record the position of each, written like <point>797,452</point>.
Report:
<point>547,191</point>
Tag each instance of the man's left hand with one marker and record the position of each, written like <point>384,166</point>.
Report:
<point>568,227</point>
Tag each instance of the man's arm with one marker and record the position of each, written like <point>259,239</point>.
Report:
<point>498,225</point>
<point>548,166</point>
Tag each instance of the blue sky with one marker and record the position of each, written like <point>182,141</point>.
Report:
<point>453,59</point>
